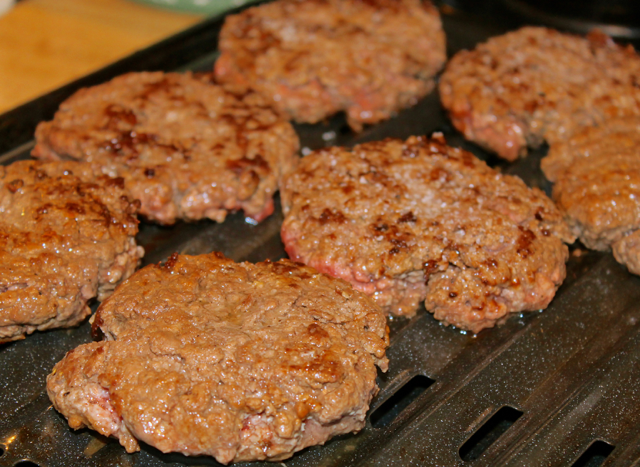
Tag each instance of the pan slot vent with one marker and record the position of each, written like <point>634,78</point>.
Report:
<point>385,414</point>
<point>26,464</point>
<point>595,455</point>
<point>489,433</point>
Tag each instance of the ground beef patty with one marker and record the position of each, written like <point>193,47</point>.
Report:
<point>537,84</point>
<point>205,356</point>
<point>317,57</point>
<point>65,237</point>
<point>418,220</point>
<point>186,148</point>
<point>597,175</point>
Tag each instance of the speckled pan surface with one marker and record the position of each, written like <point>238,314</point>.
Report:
<point>571,372</point>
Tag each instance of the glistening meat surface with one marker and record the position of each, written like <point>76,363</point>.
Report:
<point>242,362</point>
<point>535,84</point>
<point>185,148</point>
<point>417,220</point>
<point>597,186</point>
<point>314,58</point>
<point>66,236</point>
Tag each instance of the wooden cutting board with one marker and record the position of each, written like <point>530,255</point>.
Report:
<point>47,43</point>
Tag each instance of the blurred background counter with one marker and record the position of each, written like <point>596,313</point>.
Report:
<point>47,43</point>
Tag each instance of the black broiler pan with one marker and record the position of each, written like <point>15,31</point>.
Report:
<point>554,388</point>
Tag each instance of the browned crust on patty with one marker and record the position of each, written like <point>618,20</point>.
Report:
<point>205,356</point>
<point>315,58</point>
<point>610,137</point>
<point>597,175</point>
<point>534,84</point>
<point>416,220</point>
<point>66,236</point>
<point>185,148</point>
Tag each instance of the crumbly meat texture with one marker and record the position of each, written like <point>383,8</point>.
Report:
<point>597,175</point>
<point>612,136</point>
<point>242,362</point>
<point>535,84</point>
<point>66,236</point>
<point>314,58</point>
<point>185,148</point>
<point>417,221</point>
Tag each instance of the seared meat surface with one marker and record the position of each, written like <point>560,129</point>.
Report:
<point>535,84</point>
<point>315,58</point>
<point>417,220</point>
<point>242,362</point>
<point>597,185</point>
<point>66,236</point>
<point>185,148</point>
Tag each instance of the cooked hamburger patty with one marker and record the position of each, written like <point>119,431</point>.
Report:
<point>185,148</point>
<point>597,175</point>
<point>537,84</point>
<point>205,356</point>
<point>317,57</point>
<point>420,221</point>
<point>65,237</point>
<point>612,136</point>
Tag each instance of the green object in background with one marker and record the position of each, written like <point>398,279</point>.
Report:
<point>203,7</point>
